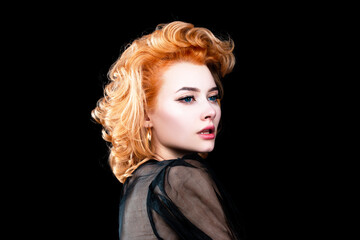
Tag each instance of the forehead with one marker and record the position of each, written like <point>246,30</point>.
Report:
<point>187,74</point>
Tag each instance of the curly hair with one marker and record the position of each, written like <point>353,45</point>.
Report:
<point>135,79</point>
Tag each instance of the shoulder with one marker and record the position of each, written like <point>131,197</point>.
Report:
<point>143,174</point>
<point>189,175</point>
<point>183,174</point>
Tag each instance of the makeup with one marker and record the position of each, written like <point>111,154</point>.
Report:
<point>207,133</point>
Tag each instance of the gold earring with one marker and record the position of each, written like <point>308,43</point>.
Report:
<point>148,135</point>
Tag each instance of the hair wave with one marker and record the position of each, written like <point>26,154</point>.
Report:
<point>135,79</point>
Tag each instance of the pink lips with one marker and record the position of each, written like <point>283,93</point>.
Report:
<point>207,133</point>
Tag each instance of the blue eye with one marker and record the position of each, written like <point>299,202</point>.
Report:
<point>187,99</point>
<point>213,98</point>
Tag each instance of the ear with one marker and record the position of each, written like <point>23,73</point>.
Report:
<point>147,122</point>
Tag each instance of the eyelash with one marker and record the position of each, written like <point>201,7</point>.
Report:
<point>192,98</point>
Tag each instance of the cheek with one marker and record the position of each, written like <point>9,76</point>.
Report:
<point>218,116</point>
<point>170,120</point>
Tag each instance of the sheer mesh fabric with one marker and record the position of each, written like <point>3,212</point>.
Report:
<point>175,199</point>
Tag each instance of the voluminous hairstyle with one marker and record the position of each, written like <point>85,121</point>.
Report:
<point>135,79</point>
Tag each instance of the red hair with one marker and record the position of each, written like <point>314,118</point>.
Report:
<point>135,79</point>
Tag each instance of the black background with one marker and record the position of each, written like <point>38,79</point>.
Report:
<point>264,156</point>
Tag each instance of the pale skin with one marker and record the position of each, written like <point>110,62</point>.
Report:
<point>186,105</point>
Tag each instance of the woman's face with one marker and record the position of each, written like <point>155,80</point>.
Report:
<point>187,113</point>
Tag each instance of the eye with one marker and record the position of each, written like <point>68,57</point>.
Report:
<point>187,99</point>
<point>213,98</point>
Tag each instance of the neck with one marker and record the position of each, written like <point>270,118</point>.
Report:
<point>165,153</point>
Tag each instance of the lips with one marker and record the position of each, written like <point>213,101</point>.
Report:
<point>207,133</point>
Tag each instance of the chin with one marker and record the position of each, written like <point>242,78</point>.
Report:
<point>205,148</point>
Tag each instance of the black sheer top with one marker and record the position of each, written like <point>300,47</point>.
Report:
<point>175,199</point>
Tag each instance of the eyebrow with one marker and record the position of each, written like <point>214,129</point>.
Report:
<point>196,89</point>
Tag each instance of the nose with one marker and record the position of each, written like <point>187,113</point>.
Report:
<point>208,112</point>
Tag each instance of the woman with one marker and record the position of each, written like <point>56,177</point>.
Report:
<point>160,113</point>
